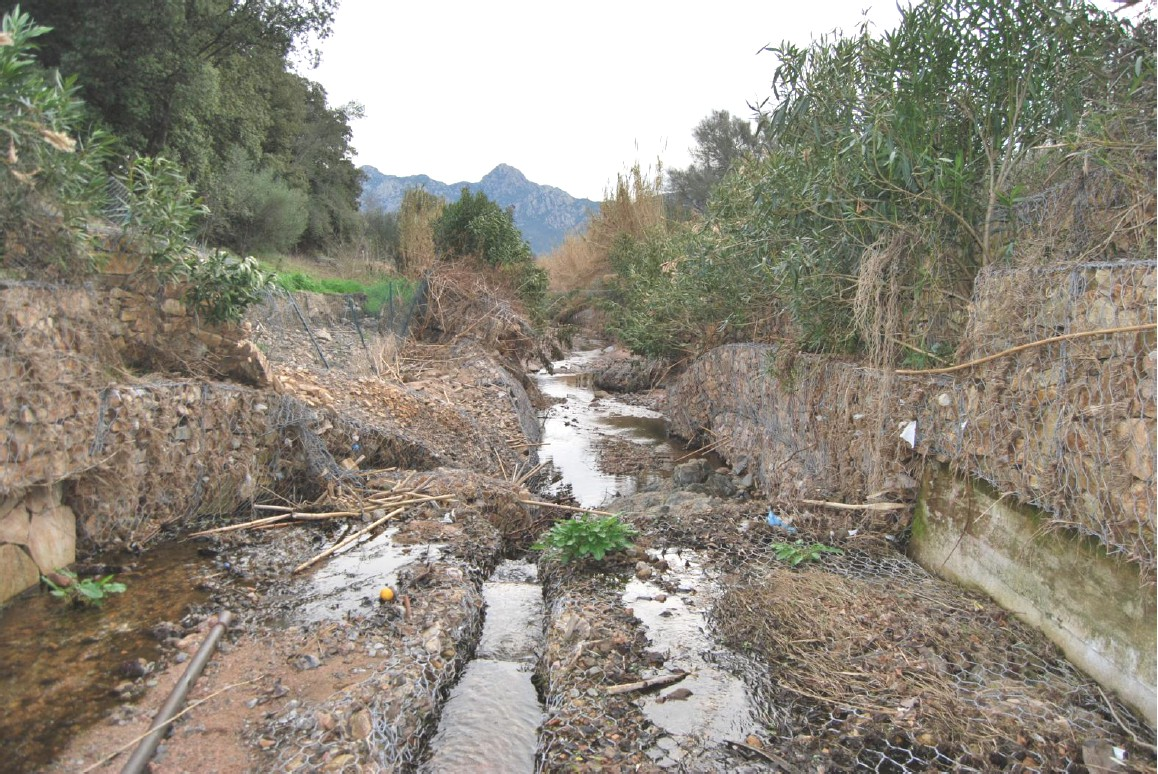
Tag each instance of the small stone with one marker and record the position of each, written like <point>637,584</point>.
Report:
<point>361,726</point>
<point>266,743</point>
<point>643,570</point>
<point>754,741</point>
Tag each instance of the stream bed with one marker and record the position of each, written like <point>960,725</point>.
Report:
<point>65,668</point>
<point>491,720</point>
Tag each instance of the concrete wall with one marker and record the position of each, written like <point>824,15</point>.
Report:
<point>1094,607</point>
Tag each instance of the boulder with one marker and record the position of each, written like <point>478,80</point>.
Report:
<point>52,538</point>
<point>14,522</point>
<point>17,571</point>
<point>690,472</point>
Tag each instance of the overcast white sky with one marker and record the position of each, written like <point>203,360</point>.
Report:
<point>569,93</point>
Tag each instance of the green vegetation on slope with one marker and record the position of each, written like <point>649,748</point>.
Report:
<point>888,170</point>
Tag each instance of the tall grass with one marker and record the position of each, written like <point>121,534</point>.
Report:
<point>378,292</point>
<point>633,209</point>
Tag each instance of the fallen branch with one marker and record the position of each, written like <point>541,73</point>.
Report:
<point>862,507</point>
<point>703,449</point>
<point>523,478</point>
<point>768,756</point>
<point>347,541</point>
<point>1031,345</point>
<point>232,527</point>
<point>643,685</point>
<point>567,507</point>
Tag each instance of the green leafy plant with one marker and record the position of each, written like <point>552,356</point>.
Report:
<point>52,177</point>
<point>83,592</point>
<point>585,536</point>
<point>222,286</point>
<point>161,210</point>
<point>799,552</point>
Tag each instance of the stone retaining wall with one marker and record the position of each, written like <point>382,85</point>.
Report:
<point>81,433</point>
<point>1068,427</point>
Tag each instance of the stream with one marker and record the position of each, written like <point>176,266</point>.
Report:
<point>68,669</point>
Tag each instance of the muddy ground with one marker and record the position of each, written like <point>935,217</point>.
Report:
<point>845,661</point>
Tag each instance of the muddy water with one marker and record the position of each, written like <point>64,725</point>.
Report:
<point>60,665</point>
<point>491,721</point>
<point>573,426</point>
<point>718,707</point>
<point>351,580</point>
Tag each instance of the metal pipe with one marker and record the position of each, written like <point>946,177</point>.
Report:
<point>148,746</point>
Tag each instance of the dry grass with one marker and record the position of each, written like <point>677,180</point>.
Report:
<point>924,663</point>
<point>633,209</point>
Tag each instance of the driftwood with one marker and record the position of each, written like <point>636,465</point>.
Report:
<point>567,507</point>
<point>643,685</point>
<point>347,541</point>
<point>771,757</point>
<point>1030,345</point>
<point>862,507</point>
<point>382,499</point>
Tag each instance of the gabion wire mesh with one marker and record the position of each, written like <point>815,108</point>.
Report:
<point>1068,427</point>
<point>876,665</point>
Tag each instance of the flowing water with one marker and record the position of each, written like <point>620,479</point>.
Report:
<point>61,667</point>
<point>719,706</point>
<point>573,426</point>
<point>491,721</point>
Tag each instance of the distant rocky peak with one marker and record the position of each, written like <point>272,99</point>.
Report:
<point>543,213</point>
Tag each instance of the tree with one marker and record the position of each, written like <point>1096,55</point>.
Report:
<point>721,139</point>
<point>202,81</point>
<point>474,226</point>
<point>477,226</point>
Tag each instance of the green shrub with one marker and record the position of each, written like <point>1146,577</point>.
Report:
<point>256,211</point>
<point>161,208</point>
<point>223,286</point>
<point>586,535</point>
<point>52,178</point>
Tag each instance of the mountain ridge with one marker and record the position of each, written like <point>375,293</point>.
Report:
<point>543,213</point>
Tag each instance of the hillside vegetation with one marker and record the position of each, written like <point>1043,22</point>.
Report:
<point>885,172</point>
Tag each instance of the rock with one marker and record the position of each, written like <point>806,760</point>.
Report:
<point>720,485</point>
<point>1139,452</point>
<point>52,538</point>
<point>173,306</point>
<point>17,571</point>
<point>14,524</point>
<point>690,472</point>
<point>679,694</point>
<point>643,570</point>
<point>361,726</point>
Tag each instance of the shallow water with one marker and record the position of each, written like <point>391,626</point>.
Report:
<point>350,580</point>
<point>573,427</point>
<point>719,706</point>
<point>60,664</point>
<point>491,721</point>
